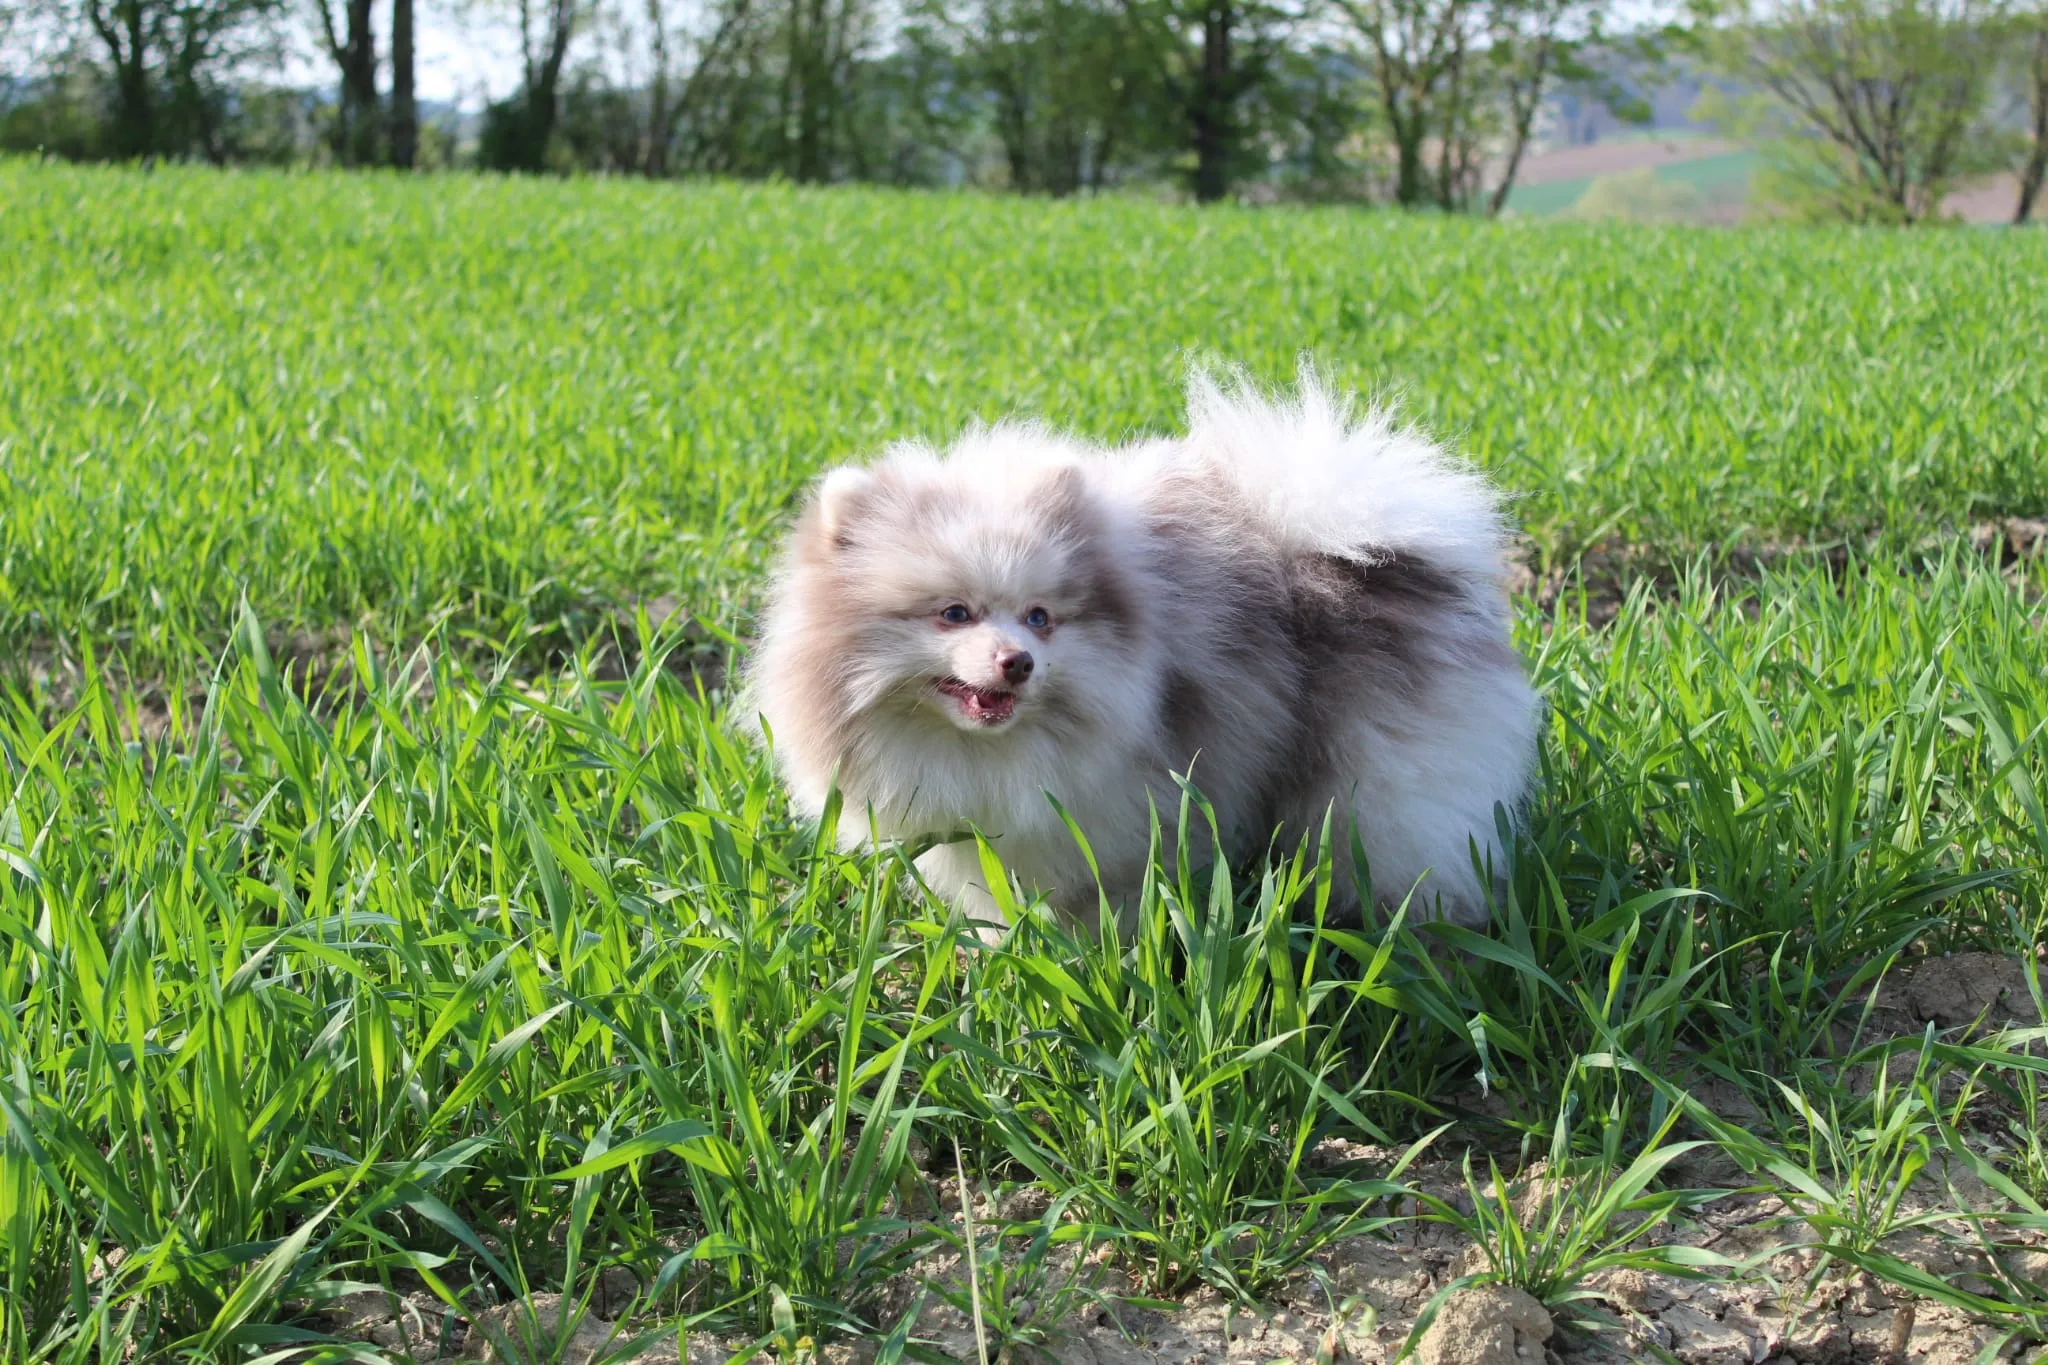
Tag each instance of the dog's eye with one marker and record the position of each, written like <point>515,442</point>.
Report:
<point>956,615</point>
<point>1037,618</point>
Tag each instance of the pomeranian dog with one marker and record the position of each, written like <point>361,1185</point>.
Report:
<point>1296,607</point>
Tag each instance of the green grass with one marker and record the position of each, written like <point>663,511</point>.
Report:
<point>386,403</point>
<point>492,973</point>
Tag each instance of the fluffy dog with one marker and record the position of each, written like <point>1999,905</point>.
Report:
<point>1295,606</point>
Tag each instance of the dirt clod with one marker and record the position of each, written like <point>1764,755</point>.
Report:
<point>1633,1290</point>
<point>2016,537</point>
<point>1701,1339</point>
<point>1026,1204</point>
<point>531,1332</point>
<point>1956,990</point>
<point>1489,1324</point>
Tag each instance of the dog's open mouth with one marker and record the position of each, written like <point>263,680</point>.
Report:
<point>983,705</point>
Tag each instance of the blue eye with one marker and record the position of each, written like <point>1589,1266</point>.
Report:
<point>956,615</point>
<point>1037,618</point>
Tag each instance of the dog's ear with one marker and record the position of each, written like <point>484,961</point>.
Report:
<point>1063,497</point>
<point>841,496</point>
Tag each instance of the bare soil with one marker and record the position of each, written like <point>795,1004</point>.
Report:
<point>321,667</point>
<point>1608,570</point>
<point>1609,158</point>
<point>1361,1304</point>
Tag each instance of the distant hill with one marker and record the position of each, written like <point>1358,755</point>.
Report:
<point>1683,165</point>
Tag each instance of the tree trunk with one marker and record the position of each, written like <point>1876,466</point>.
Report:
<point>1211,113</point>
<point>1105,152</point>
<point>690,97</point>
<point>1453,133</point>
<point>542,86</point>
<point>121,30</point>
<point>1013,128</point>
<point>135,112</point>
<point>405,116</point>
<point>654,160</point>
<point>1409,186</point>
<point>792,92</point>
<point>2037,156</point>
<point>358,61</point>
<point>2032,173</point>
<point>134,119</point>
<point>355,58</point>
<point>813,91</point>
<point>1524,110</point>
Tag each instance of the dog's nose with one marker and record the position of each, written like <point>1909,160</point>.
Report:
<point>1016,665</point>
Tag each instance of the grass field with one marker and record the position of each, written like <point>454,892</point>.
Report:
<point>386,900</point>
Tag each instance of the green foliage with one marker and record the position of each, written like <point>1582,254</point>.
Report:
<point>1867,111</point>
<point>387,403</point>
<point>1178,1080</point>
<point>1077,87</point>
<point>504,966</point>
<point>392,978</point>
<point>2009,1067</point>
<point>1572,1218</point>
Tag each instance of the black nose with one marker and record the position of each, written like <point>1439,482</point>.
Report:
<point>1015,663</point>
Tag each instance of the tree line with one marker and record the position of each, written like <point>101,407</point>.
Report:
<point>1870,109</point>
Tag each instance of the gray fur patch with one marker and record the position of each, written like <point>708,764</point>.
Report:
<point>1389,620</point>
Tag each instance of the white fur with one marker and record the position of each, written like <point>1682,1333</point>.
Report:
<point>1325,479</point>
<point>1188,572</point>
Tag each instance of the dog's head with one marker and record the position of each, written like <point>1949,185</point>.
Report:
<point>977,590</point>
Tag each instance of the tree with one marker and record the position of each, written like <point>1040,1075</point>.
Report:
<point>728,118</point>
<point>2033,50</point>
<point>756,87</point>
<point>1465,80</point>
<point>1211,93</point>
<point>53,93</point>
<point>1218,53</point>
<point>916,111</point>
<point>1531,45</point>
<point>12,21</point>
<point>667,86</point>
<point>1638,196</point>
<point>354,52</point>
<point>1867,107</point>
<point>517,131</point>
<point>823,38</point>
<point>1312,132</point>
<point>752,87</point>
<point>125,27</point>
<point>675,98</point>
<point>168,60</point>
<point>1073,86</point>
<point>405,114</point>
<point>1415,50</point>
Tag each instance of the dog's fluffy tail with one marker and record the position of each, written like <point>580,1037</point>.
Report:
<point>1328,479</point>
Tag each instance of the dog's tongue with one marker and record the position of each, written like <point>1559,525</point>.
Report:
<point>979,703</point>
<point>989,706</point>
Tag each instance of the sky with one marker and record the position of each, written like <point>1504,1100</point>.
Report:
<point>467,51</point>
<point>462,54</point>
